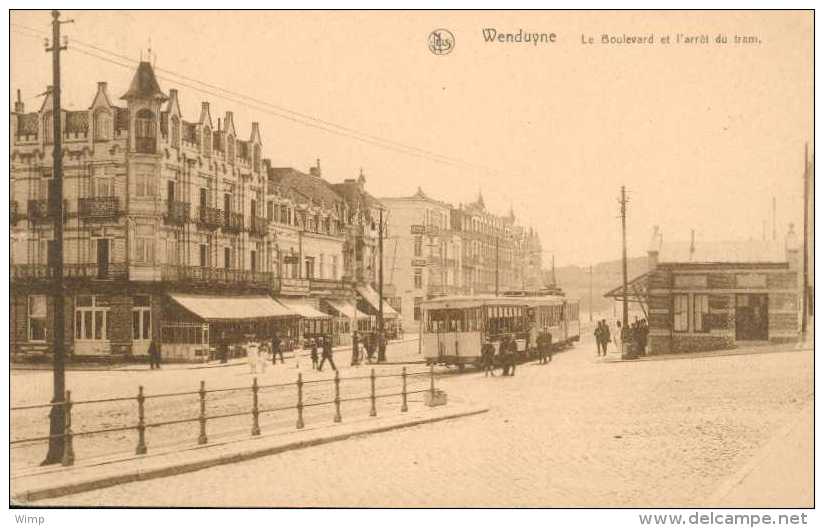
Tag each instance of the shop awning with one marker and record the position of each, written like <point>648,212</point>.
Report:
<point>637,289</point>
<point>346,309</point>
<point>215,308</point>
<point>302,308</point>
<point>372,298</point>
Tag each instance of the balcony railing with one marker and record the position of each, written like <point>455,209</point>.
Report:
<point>178,212</point>
<point>95,271</point>
<point>145,145</point>
<point>200,274</point>
<point>234,222</point>
<point>324,285</point>
<point>210,217</point>
<point>288,286</point>
<point>258,225</point>
<point>99,207</point>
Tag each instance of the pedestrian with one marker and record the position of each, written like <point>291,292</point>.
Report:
<point>370,347</point>
<point>619,339</point>
<point>599,337</point>
<point>355,349</point>
<point>314,354</point>
<point>503,353</point>
<point>644,336</point>
<point>488,358</point>
<point>606,338</point>
<point>533,344</point>
<point>223,348</point>
<point>326,354</point>
<point>263,352</point>
<point>277,348</point>
<point>548,344</point>
<point>252,355</point>
<point>154,354</point>
<point>513,351</point>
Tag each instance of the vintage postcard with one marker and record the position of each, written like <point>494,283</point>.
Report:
<point>413,259</point>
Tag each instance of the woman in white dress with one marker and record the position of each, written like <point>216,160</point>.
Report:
<point>252,355</point>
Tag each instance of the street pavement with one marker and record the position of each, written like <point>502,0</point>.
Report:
<point>577,432</point>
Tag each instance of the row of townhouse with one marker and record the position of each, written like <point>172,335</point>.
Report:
<point>437,249</point>
<point>178,231</point>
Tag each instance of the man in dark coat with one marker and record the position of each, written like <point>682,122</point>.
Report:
<point>154,354</point>
<point>599,337</point>
<point>370,347</point>
<point>314,352</point>
<point>548,345</point>
<point>276,349</point>
<point>503,353</point>
<point>488,358</point>
<point>327,353</point>
<point>605,336</point>
<point>511,356</point>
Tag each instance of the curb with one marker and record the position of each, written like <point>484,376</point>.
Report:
<point>135,475</point>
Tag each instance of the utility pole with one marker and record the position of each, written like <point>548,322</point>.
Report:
<point>590,293</point>
<point>497,240</point>
<point>381,332</point>
<point>57,413</point>
<point>804,308</point>
<point>623,202</point>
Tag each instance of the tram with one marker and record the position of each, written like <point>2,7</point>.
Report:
<point>454,328</point>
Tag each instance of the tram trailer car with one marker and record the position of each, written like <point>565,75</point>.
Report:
<point>454,328</point>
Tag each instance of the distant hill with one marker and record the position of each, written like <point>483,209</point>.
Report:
<point>574,280</point>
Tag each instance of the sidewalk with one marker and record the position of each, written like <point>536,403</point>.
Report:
<point>780,475</point>
<point>298,353</point>
<point>614,357</point>
<point>57,481</point>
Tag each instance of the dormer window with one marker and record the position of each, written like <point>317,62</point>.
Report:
<point>102,125</point>
<point>145,132</point>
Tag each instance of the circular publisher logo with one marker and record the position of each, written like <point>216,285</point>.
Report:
<point>441,41</point>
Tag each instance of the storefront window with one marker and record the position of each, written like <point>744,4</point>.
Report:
<point>90,319</point>
<point>701,308</point>
<point>680,313</point>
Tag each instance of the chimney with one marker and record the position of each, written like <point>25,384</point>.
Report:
<point>313,171</point>
<point>654,248</point>
<point>172,97</point>
<point>18,105</point>
<point>255,131</point>
<point>204,111</point>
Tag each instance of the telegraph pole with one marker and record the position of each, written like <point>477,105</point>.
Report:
<point>381,332</point>
<point>590,293</point>
<point>497,240</point>
<point>623,202</point>
<point>55,198</point>
<point>804,308</point>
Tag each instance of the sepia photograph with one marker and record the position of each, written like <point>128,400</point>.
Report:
<point>412,259</point>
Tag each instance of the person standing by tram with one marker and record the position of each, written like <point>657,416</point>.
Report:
<point>488,357</point>
<point>512,355</point>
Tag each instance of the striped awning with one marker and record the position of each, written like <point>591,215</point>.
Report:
<point>346,309</point>
<point>302,308</point>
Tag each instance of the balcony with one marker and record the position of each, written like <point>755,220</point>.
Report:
<point>98,208</point>
<point>23,272</point>
<point>145,145</point>
<point>178,212</point>
<point>258,225</point>
<point>234,223</point>
<point>330,286</point>
<point>216,276</point>
<point>287,286</point>
<point>94,271</point>
<point>210,217</point>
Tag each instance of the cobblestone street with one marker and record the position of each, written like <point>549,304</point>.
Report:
<point>577,432</point>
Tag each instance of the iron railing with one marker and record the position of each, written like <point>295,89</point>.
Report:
<point>234,222</point>
<point>210,217</point>
<point>178,212</point>
<point>99,207</point>
<point>140,424</point>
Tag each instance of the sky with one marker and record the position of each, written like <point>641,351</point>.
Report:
<point>703,136</point>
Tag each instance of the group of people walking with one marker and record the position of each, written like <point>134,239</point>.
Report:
<point>506,358</point>
<point>324,345</point>
<point>367,344</point>
<point>636,335</point>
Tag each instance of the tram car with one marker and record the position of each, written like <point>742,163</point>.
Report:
<point>454,328</point>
